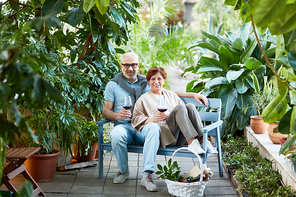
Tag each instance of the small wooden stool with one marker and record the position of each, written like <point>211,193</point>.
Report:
<point>16,157</point>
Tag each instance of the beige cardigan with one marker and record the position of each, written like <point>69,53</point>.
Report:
<point>146,106</point>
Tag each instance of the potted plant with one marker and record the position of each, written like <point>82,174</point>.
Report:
<point>260,100</point>
<point>54,125</point>
<point>86,142</point>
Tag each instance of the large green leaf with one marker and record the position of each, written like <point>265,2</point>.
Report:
<point>208,68</point>
<point>290,37</point>
<point>111,48</point>
<point>94,28</point>
<point>293,122</point>
<point>241,86</point>
<point>275,109</point>
<point>292,60</point>
<point>287,144</point>
<point>252,63</point>
<point>225,56</point>
<point>288,75</point>
<point>75,16</point>
<point>248,52</point>
<point>284,124</point>
<point>280,48</point>
<point>243,100</point>
<point>53,92</point>
<point>209,61</point>
<point>210,36</point>
<point>232,75</point>
<point>206,46</point>
<point>88,4</point>
<point>293,97</point>
<point>102,6</point>
<point>228,97</point>
<point>279,86</point>
<point>216,81</point>
<point>52,7</point>
<point>256,83</point>
<point>118,18</point>
<point>238,43</point>
<point>52,21</point>
<point>285,21</point>
<point>244,32</point>
<point>266,11</point>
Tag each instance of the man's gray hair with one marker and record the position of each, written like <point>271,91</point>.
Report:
<point>130,54</point>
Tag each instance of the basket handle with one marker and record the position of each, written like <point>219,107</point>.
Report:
<point>198,157</point>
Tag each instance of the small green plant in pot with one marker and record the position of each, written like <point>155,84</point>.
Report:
<point>86,141</point>
<point>260,100</point>
<point>171,171</point>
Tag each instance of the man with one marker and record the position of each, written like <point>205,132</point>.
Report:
<point>130,83</point>
<point>124,84</point>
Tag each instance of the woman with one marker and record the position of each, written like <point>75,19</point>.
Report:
<point>181,122</point>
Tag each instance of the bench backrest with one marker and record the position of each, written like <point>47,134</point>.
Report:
<point>214,105</point>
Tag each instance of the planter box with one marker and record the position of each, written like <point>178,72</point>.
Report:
<point>271,152</point>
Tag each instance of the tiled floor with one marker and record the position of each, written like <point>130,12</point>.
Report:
<point>85,182</point>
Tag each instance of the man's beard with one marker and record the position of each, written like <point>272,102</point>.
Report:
<point>128,76</point>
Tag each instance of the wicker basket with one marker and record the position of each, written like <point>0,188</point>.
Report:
<point>187,189</point>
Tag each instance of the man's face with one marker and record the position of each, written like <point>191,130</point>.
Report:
<point>129,66</point>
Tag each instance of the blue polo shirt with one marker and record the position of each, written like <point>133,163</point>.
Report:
<point>115,93</point>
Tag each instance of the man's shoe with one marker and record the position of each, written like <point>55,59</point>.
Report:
<point>211,148</point>
<point>195,147</point>
<point>149,184</point>
<point>121,177</point>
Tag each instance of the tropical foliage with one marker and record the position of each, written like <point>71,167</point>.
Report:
<point>57,53</point>
<point>280,18</point>
<point>227,73</point>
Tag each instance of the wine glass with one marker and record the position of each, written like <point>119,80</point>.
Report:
<point>127,104</point>
<point>162,106</point>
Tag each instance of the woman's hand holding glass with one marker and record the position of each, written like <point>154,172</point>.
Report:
<point>162,108</point>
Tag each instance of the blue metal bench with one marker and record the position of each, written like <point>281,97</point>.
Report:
<point>209,130</point>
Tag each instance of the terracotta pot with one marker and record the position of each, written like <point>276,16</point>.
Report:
<point>91,156</point>
<point>283,140</point>
<point>42,167</point>
<point>273,133</point>
<point>258,125</point>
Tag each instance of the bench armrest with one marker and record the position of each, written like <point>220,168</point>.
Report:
<point>100,129</point>
<point>212,126</point>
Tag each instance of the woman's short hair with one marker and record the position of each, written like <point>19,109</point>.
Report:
<point>153,70</point>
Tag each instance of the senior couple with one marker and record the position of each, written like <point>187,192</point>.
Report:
<point>181,124</point>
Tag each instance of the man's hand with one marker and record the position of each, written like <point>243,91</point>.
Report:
<point>123,114</point>
<point>199,98</point>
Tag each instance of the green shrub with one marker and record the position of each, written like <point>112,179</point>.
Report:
<point>253,172</point>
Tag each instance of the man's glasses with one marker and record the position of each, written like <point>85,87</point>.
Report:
<point>127,66</point>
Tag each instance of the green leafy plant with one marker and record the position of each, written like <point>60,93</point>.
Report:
<point>171,171</point>
<point>226,73</point>
<point>262,98</point>
<point>53,125</point>
<point>254,173</point>
<point>38,33</point>
<point>86,136</point>
<point>285,59</point>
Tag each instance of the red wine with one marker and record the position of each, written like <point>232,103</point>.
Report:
<point>127,106</point>
<point>162,109</point>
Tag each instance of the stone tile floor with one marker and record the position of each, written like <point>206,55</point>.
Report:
<point>85,181</point>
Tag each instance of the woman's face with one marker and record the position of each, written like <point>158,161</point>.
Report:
<point>156,82</point>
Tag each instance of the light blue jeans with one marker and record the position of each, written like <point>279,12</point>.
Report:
<point>124,134</point>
